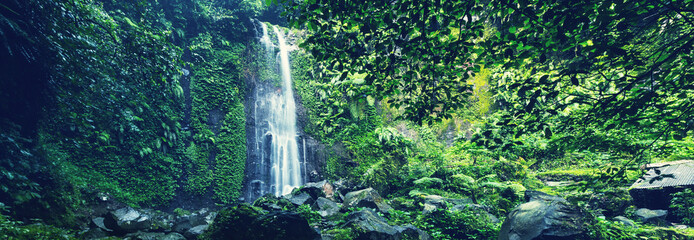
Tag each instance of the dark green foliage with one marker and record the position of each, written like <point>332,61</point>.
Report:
<point>18,231</point>
<point>682,206</point>
<point>509,170</point>
<point>226,225</point>
<point>466,224</point>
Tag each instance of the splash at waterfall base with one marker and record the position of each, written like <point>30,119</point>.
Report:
<point>280,156</point>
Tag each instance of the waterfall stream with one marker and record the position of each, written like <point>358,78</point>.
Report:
<point>274,165</point>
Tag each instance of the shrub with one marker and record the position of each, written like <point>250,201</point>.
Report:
<point>508,170</point>
<point>466,224</point>
<point>682,206</point>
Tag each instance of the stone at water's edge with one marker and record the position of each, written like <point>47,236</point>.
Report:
<point>368,198</point>
<point>545,217</point>
<point>127,220</point>
<point>656,217</point>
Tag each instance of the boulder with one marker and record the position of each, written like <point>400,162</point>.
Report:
<point>194,232</point>
<point>368,198</point>
<point>99,223</point>
<point>369,225</point>
<point>248,223</point>
<point>173,236</point>
<point>93,233</point>
<point>545,217</point>
<point>656,217</point>
<point>146,235</point>
<point>318,189</point>
<point>127,220</point>
<point>301,198</point>
<point>326,207</point>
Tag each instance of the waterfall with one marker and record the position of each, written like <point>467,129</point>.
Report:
<point>274,165</point>
<point>285,151</point>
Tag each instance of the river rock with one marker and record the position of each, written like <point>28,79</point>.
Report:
<point>368,198</point>
<point>301,198</point>
<point>173,236</point>
<point>99,223</point>
<point>145,235</point>
<point>545,217</point>
<point>369,225</point>
<point>194,232</point>
<point>656,217</point>
<point>326,207</point>
<point>318,189</point>
<point>127,220</point>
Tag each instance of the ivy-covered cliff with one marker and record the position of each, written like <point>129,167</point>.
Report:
<point>141,100</point>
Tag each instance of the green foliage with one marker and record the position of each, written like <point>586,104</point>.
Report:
<point>427,182</point>
<point>14,230</point>
<point>380,156</point>
<point>218,150</point>
<point>223,226</point>
<point>605,229</point>
<point>509,170</point>
<point>341,234</point>
<point>682,206</point>
<point>465,224</point>
<point>311,216</point>
<point>181,212</point>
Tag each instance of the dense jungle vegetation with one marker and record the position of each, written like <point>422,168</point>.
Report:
<point>143,101</point>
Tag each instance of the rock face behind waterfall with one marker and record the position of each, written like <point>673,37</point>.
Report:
<point>280,155</point>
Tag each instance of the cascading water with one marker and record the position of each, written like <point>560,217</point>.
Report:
<point>286,168</point>
<point>274,165</point>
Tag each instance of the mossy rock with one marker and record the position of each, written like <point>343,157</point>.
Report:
<point>245,222</point>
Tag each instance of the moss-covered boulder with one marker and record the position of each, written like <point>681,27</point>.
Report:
<point>368,198</point>
<point>368,225</point>
<point>249,223</point>
<point>545,217</point>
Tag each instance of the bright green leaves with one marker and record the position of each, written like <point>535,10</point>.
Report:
<point>422,39</point>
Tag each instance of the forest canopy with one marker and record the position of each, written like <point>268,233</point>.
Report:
<point>570,67</point>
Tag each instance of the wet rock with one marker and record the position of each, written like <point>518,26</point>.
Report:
<point>127,220</point>
<point>326,207</point>
<point>145,235</point>
<point>319,189</point>
<point>545,217</point>
<point>194,232</point>
<point>369,225</point>
<point>656,217</point>
<point>99,223</point>
<point>94,233</point>
<point>368,198</point>
<point>183,223</point>
<point>301,198</point>
<point>173,236</point>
